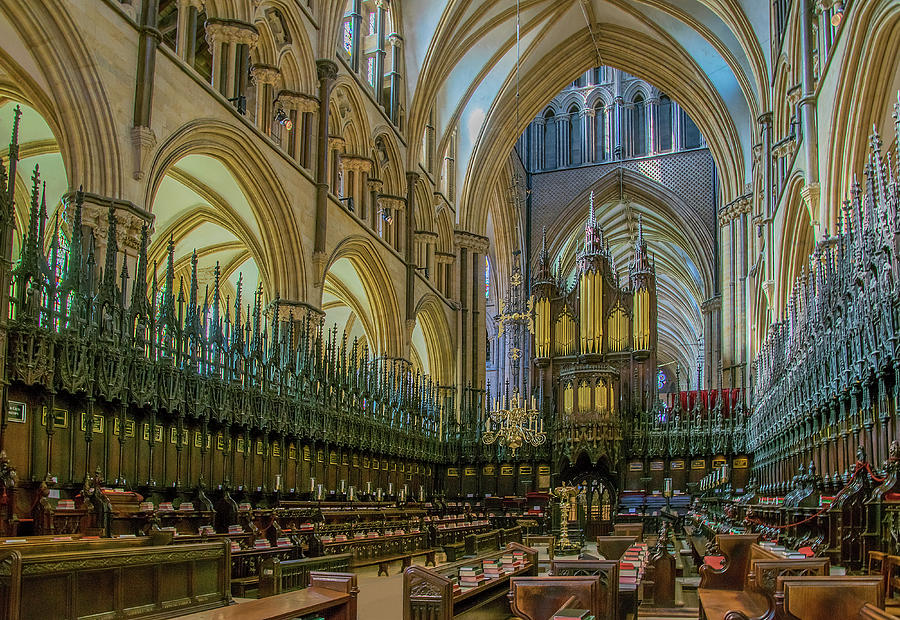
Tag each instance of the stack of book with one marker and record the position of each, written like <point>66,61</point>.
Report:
<point>509,562</point>
<point>519,559</point>
<point>631,566</point>
<point>493,568</point>
<point>166,507</point>
<point>145,507</point>
<point>186,506</point>
<point>283,541</point>
<point>261,543</point>
<point>340,538</point>
<point>470,577</point>
<point>235,546</point>
<point>235,529</point>
<point>65,504</point>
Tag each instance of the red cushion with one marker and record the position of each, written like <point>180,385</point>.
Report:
<point>715,561</point>
<point>807,551</point>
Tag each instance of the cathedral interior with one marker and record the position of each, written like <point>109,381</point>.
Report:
<point>435,309</point>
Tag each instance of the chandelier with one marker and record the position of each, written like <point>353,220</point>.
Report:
<point>515,425</point>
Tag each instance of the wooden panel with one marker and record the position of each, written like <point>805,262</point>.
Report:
<point>536,598</point>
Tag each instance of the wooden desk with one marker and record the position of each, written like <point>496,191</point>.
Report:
<point>283,606</point>
<point>332,595</point>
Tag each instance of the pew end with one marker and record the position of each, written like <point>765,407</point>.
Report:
<point>537,598</point>
<point>837,598</point>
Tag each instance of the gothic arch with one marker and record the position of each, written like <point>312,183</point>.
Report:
<point>441,353</point>
<point>69,93</point>
<point>283,256</point>
<point>379,288</point>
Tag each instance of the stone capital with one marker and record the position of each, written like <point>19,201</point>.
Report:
<point>471,241</point>
<point>326,70</point>
<point>810,195</point>
<point>397,203</point>
<point>356,163</point>
<point>95,213</point>
<point>425,235</point>
<point>374,185</point>
<point>711,305</point>
<point>444,258</point>
<point>230,31</point>
<point>143,140</point>
<point>382,4</point>
<point>264,74</point>
<point>292,100</point>
<point>337,143</point>
<point>395,39</point>
<point>412,178</point>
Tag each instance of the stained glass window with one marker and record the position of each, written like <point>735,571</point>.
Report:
<point>372,24</point>
<point>487,278</point>
<point>348,36</point>
<point>370,70</point>
<point>660,379</point>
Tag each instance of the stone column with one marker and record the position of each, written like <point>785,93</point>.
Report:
<point>677,143</point>
<point>411,179</point>
<point>361,168</point>
<point>712,330</point>
<point>538,128</point>
<point>374,187</point>
<point>300,104</point>
<point>390,231</point>
<point>562,140</point>
<point>187,20</point>
<point>379,50</point>
<point>356,25</point>
<point>327,73</point>
<point>652,120</point>
<point>588,135</point>
<point>470,323</point>
<point>444,267</point>
<point>230,33</point>
<point>142,137</point>
<point>264,77</point>
<point>396,53</point>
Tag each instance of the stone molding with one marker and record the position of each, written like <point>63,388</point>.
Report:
<point>95,212</point>
<point>397,203</point>
<point>264,74</point>
<point>293,100</point>
<point>471,241</point>
<point>735,209</point>
<point>326,70</point>
<point>230,31</point>
<point>356,163</point>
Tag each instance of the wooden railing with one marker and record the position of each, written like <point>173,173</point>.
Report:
<point>276,576</point>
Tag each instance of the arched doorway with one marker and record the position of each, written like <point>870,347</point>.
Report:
<point>598,494</point>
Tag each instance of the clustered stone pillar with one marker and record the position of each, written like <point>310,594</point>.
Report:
<point>357,170</point>
<point>396,56</point>
<point>471,249</point>
<point>188,12</point>
<point>712,330</point>
<point>381,8</point>
<point>444,272</point>
<point>299,108</point>
<point>327,73</point>
<point>264,77</point>
<point>230,42</point>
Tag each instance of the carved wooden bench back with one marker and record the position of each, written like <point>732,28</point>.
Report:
<point>818,598</point>
<point>733,575</point>
<point>612,547</point>
<point>537,598</point>
<point>606,570</point>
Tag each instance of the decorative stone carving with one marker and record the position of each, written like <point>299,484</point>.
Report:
<point>264,74</point>
<point>142,142</point>
<point>297,101</point>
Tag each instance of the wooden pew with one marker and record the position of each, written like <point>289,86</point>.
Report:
<point>482,543</point>
<point>276,576</point>
<point>870,612</point>
<point>537,598</point>
<point>428,592</point>
<point>612,547</point>
<point>330,595</point>
<point>534,539</point>
<point>757,601</point>
<point>629,529</point>
<point>744,586</point>
<point>733,575</point>
<point>608,572</point>
<point>832,598</point>
<point>134,582</point>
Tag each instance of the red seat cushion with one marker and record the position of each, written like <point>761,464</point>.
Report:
<point>715,561</point>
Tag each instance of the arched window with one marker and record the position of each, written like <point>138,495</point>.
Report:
<point>691,138</point>
<point>599,132</point>
<point>487,277</point>
<point>549,140</point>
<point>575,156</point>
<point>366,29</point>
<point>638,127</point>
<point>664,126</point>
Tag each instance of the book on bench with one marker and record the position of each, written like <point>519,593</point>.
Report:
<point>568,614</point>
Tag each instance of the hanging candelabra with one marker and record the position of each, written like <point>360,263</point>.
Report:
<point>515,425</point>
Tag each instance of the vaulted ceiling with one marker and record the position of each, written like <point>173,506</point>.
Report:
<point>711,56</point>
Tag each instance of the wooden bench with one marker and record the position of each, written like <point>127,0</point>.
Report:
<point>537,598</point>
<point>532,539</point>
<point>455,551</point>
<point>133,582</point>
<point>745,586</point>
<point>870,612</point>
<point>605,570</point>
<point>832,598</point>
<point>276,576</point>
<point>629,529</point>
<point>480,543</point>
<point>612,547</point>
<point>384,562</point>
<point>428,592</point>
<point>331,595</point>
